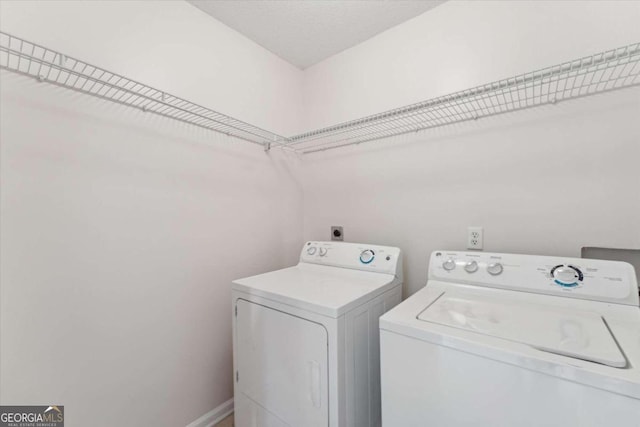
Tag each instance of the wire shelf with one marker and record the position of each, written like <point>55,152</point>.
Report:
<point>602,72</point>
<point>49,66</point>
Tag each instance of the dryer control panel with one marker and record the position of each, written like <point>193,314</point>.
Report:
<point>600,280</point>
<point>359,256</point>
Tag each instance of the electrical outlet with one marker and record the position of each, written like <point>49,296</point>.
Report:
<point>474,238</point>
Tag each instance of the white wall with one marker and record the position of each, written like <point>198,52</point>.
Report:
<point>546,181</point>
<point>121,231</point>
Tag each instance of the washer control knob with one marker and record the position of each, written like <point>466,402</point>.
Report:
<point>311,250</point>
<point>566,275</point>
<point>367,256</point>
<point>322,251</point>
<point>471,267</point>
<point>494,268</point>
<point>449,264</point>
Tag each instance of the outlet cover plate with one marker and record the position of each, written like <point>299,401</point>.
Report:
<point>474,238</point>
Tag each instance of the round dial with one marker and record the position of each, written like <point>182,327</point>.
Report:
<point>367,256</point>
<point>495,268</point>
<point>471,267</point>
<point>322,251</point>
<point>311,250</point>
<point>566,275</point>
<point>449,264</point>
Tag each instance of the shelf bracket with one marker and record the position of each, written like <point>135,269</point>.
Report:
<point>267,145</point>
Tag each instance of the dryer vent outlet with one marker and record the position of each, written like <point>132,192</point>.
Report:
<point>337,233</point>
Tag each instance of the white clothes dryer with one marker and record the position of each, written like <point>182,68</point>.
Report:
<point>306,338</point>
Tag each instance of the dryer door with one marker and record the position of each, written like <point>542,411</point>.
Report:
<point>282,363</point>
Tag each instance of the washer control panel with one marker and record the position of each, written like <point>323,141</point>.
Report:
<point>610,281</point>
<point>380,259</point>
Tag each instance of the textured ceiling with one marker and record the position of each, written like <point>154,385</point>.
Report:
<point>304,32</point>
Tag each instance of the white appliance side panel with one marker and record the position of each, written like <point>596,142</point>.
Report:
<point>282,367</point>
<point>362,368</point>
<point>426,384</point>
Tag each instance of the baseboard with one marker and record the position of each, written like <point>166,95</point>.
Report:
<point>214,416</point>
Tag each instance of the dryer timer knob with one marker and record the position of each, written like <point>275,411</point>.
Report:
<point>367,256</point>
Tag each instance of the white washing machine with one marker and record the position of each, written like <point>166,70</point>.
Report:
<point>514,340</point>
<point>306,338</point>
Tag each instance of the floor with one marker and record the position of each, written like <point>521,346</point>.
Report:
<point>227,422</point>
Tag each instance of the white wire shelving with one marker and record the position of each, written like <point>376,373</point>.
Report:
<point>602,72</point>
<point>47,65</point>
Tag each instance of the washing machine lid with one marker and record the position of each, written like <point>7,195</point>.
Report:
<point>330,291</point>
<point>566,331</point>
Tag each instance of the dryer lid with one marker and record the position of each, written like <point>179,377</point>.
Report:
<point>567,331</point>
